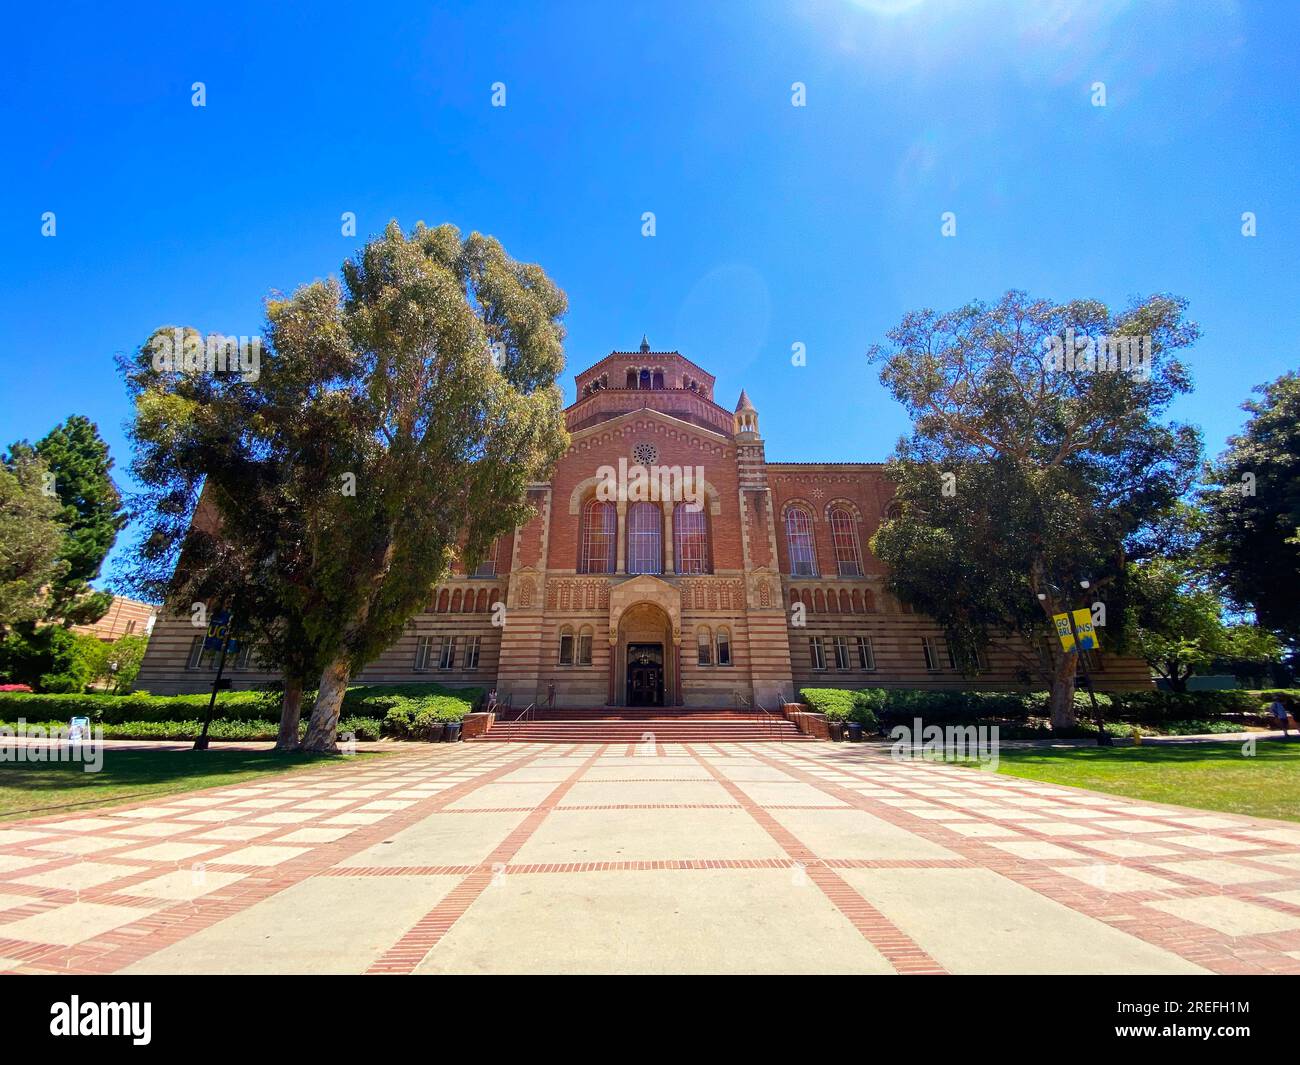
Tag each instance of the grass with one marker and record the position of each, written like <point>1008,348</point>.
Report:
<point>43,788</point>
<point>1208,776</point>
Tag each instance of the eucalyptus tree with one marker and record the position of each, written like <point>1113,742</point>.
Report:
<point>1040,449</point>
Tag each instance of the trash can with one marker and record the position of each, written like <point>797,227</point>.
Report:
<point>453,732</point>
<point>855,731</point>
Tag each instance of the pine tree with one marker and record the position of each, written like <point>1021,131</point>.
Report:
<point>90,512</point>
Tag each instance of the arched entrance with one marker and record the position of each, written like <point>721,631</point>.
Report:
<point>644,669</point>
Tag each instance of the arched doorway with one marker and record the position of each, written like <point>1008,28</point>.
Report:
<point>644,667</point>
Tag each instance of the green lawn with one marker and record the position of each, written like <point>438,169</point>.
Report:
<point>1208,776</point>
<point>44,788</point>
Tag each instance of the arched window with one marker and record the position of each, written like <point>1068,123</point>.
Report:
<point>631,379</point>
<point>468,608</point>
<point>455,601</point>
<point>799,541</point>
<point>481,604</point>
<point>846,604</point>
<point>644,380</point>
<point>820,600</point>
<point>724,646</point>
<point>857,600</point>
<point>645,538</point>
<point>704,641</point>
<point>566,646</point>
<point>658,379</point>
<point>599,537</point>
<point>844,535</point>
<point>442,601</point>
<point>869,601</point>
<point>691,539</point>
<point>584,645</point>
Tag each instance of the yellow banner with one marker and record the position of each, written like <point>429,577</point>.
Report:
<point>1088,637</point>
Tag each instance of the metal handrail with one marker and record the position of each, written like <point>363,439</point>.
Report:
<point>762,716</point>
<point>527,713</point>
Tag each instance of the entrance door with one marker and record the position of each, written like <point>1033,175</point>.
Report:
<point>645,674</point>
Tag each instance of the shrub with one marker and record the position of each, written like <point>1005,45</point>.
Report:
<point>839,704</point>
<point>1195,728</point>
<point>362,728</point>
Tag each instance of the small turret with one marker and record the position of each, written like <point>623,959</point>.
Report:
<point>746,417</point>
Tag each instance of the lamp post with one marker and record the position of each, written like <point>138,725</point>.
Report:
<point>1103,737</point>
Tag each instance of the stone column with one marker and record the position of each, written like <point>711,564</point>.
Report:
<point>613,669</point>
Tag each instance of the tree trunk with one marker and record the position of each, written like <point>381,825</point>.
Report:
<point>290,713</point>
<point>1061,700</point>
<point>322,732</point>
<point>1178,682</point>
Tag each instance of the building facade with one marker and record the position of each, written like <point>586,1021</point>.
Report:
<point>126,617</point>
<point>669,562</point>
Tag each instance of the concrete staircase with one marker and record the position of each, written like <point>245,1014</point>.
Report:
<point>620,724</point>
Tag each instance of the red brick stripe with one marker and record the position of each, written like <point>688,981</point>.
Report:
<point>413,947</point>
<point>897,948</point>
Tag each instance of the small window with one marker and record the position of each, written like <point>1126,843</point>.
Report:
<point>201,657</point>
<point>471,652</point>
<point>447,653</point>
<point>488,567</point>
<point>423,649</point>
<point>815,653</point>
<point>952,659</point>
<point>130,627</point>
<point>931,652</point>
<point>584,646</point>
<point>724,647</point>
<point>866,654</point>
<point>195,659</point>
<point>704,641</point>
<point>841,648</point>
<point>566,646</point>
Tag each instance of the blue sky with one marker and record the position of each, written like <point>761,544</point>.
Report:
<point>775,224</point>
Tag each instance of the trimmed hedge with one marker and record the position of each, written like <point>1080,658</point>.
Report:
<point>108,709</point>
<point>1025,714</point>
<point>362,728</point>
<point>371,702</point>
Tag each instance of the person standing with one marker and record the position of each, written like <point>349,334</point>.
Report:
<point>1279,711</point>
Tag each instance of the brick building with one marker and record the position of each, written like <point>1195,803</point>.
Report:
<point>761,584</point>
<point>126,617</point>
